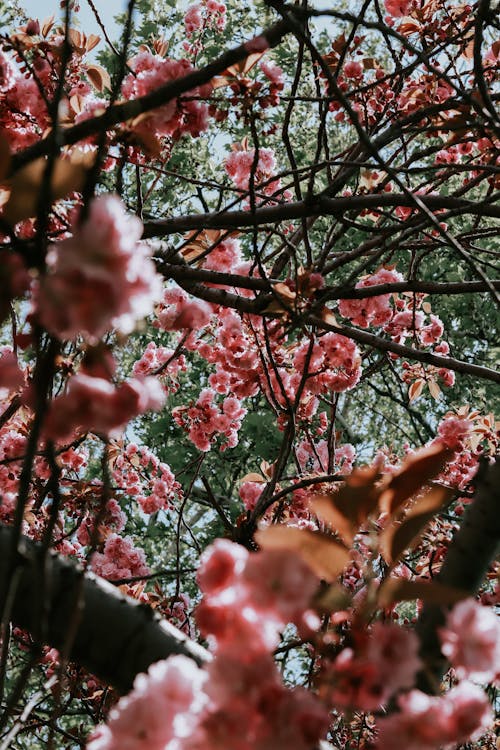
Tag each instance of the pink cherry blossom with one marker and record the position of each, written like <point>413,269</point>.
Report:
<point>95,404</point>
<point>119,559</point>
<point>471,641</point>
<point>427,722</point>
<point>100,278</point>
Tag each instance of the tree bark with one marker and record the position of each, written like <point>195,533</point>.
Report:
<point>114,637</point>
<point>473,548</point>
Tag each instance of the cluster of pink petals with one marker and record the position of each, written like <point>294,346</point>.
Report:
<point>178,311</point>
<point>250,492</point>
<point>207,14</point>
<point>371,311</point>
<point>159,713</point>
<point>239,701</point>
<point>141,475</point>
<point>155,357</point>
<point>240,589</point>
<point>426,722</point>
<point>333,365</point>
<point>178,116</point>
<point>225,257</point>
<point>366,676</point>
<point>23,115</point>
<point>119,559</point>
<point>113,519</point>
<point>453,431</point>
<point>471,641</point>
<point>234,354</point>
<point>251,709</point>
<point>96,405</point>
<point>100,278</point>
<point>398,8</point>
<point>313,457</point>
<point>208,419</point>
<point>11,376</point>
<point>240,167</point>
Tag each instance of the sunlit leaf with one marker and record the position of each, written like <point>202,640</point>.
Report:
<point>346,509</point>
<point>325,556</point>
<point>416,471</point>
<point>25,185</point>
<point>402,534</point>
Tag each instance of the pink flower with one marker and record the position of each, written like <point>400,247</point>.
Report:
<point>11,375</point>
<point>353,69</point>
<point>161,708</point>
<point>95,404</point>
<point>471,641</point>
<point>193,20</point>
<point>100,277</point>
<point>220,566</point>
<point>452,432</point>
<point>120,559</point>
<point>397,8</point>
<point>427,722</point>
<point>371,311</point>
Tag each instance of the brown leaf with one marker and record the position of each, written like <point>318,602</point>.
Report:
<point>91,41</point>
<point>26,184</point>
<point>334,598</point>
<point>326,557</point>
<point>431,592</point>
<point>328,317</point>
<point>99,77</point>
<point>284,291</point>
<point>253,477</point>
<point>402,534</point>
<point>348,508</point>
<point>416,471</point>
<point>416,389</point>
<point>434,389</point>
<point>242,68</point>
<point>47,24</point>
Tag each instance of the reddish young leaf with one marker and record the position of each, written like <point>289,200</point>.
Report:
<point>348,508</point>
<point>68,176</point>
<point>399,535</point>
<point>431,592</point>
<point>326,557</point>
<point>415,472</point>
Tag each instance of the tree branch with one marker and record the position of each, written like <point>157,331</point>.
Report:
<point>116,637</point>
<point>473,548</point>
<point>409,352</point>
<point>318,206</point>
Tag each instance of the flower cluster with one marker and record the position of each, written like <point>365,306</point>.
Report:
<point>207,419</point>
<point>100,278</point>
<point>239,701</point>
<point>119,559</point>
<point>378,666</point>
<point>94,404</point>
<point>177,117</point>
<point>141,475</point>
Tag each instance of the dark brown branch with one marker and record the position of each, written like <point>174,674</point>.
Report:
<point>116,637</point>
<point>370,339</point>
<point>473,548</point>
<point>318,206</point>
<point>427,287</point>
